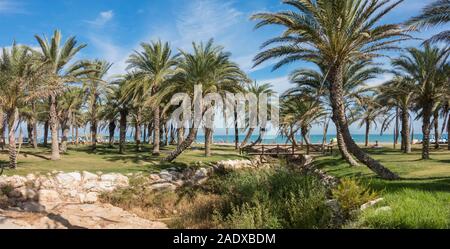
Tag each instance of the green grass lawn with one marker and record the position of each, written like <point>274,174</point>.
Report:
<point>107,159</point>
<point>421,199</point>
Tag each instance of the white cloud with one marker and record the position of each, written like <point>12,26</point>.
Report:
<point>280,84</point>
<point>103,18</point>
<point>11,7</point>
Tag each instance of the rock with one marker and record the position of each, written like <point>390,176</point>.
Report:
<point>164,174</point>
<point>383,209</point>
<point>49,198</point>
<point>87,176</point>
<point>16,181</point>
<point>31,177</point>
<point>163,187</point>
<point>91,197</point>
<point>200,174</point>
<point>69,180</point>
<point>370,204</point>
<point>32,206</point>
<point>116,179</point>
<point>154,177</point>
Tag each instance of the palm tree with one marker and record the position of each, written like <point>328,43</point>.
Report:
<point>69,103</point>
<point>428,69</point>
<point>434,14</point>
<point>300,112</point>
<point>56,58</point>
<point>95,88</point>
<point>210,67</point>
<point>154,66</point>
<point>399,93</point>
<point>19,75</point>
<point>370,115</point>
<point>122,105</point>
<point>315,82</point>
<point>257,90</point>
<point>334,33</point>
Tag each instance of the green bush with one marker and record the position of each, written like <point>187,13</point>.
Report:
<point>410,209</point>
<point>272,199</point>
<point>351,194</point>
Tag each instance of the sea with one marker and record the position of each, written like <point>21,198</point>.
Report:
<point>358,138</point>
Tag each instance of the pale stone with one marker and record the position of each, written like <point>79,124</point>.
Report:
<point>370,204</point>
<point>91,197</point>
<point>163,187</point>
<point>87,176</point>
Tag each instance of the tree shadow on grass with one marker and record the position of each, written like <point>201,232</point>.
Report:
<point>441,184</point>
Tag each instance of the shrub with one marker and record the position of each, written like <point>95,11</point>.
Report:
<point>272,199</point>
<point>410,209</point>
<point>351,194</point>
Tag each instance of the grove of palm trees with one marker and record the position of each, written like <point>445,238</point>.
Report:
<point>64,116</point>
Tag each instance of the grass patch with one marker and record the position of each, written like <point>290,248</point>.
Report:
<point>106,159</point>
<point>410,209</point>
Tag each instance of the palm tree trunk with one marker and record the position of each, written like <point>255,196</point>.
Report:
<point>2,130</point>
<point>325,132</point>
<point>448,132</point>
<point>156,131</point>
<point>64,139</point>
<point>183,146</point>
<point>77,137</point>
<point>34,125</point>
<point>111,128</point>
<point>208,136</point>
<point>406,143</point>
<point>367,132</point>
<point>396,127</point>
<point>426,128</point>
<point>304,133</point>
<point>94,125</point>
<point>172,135</point>
<point>144,137</point>
<point>436,129</point>
<point>12,120</point>
<point>166,135</point>
<point>123,130</point>
<point>236,131</point>
<point>180,135</point>
<point>54,129</point>
<point>337,101</point>
<point>342,147</point>
<point>30,132</point>
<point>138,130</point>
<point>149,133</point>
<point>46,133</point>
<point>247,137</point>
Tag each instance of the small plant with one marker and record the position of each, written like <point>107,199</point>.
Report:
<point>351,194</point>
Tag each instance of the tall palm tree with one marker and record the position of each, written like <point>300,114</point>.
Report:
<point>333,32</point>
<point>69,103</point>
<point>399,93</point>
<point>428,69</point>
<point>154,65</point>
<point>210,67</point>
<point>95,88</point>
<point>122,105</point>
<point>435,13</point>
<point>371,113</point>
<point>257,90</point>
<point>19,77</point>
<point>57,57</point>
<point>315,82</point>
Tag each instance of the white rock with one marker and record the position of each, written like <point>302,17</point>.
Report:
<point>48,196</point>
<point>370,204</point>
<point>154,177</point>
<point>87,176</point>
<point>91,197</point>
<point>383,209</point>
<point>31,177</point>
<point>69,180</point>
<point>163,187</point>
<point>118,179</point>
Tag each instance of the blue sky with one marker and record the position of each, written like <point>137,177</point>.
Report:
<point>114,28</point>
